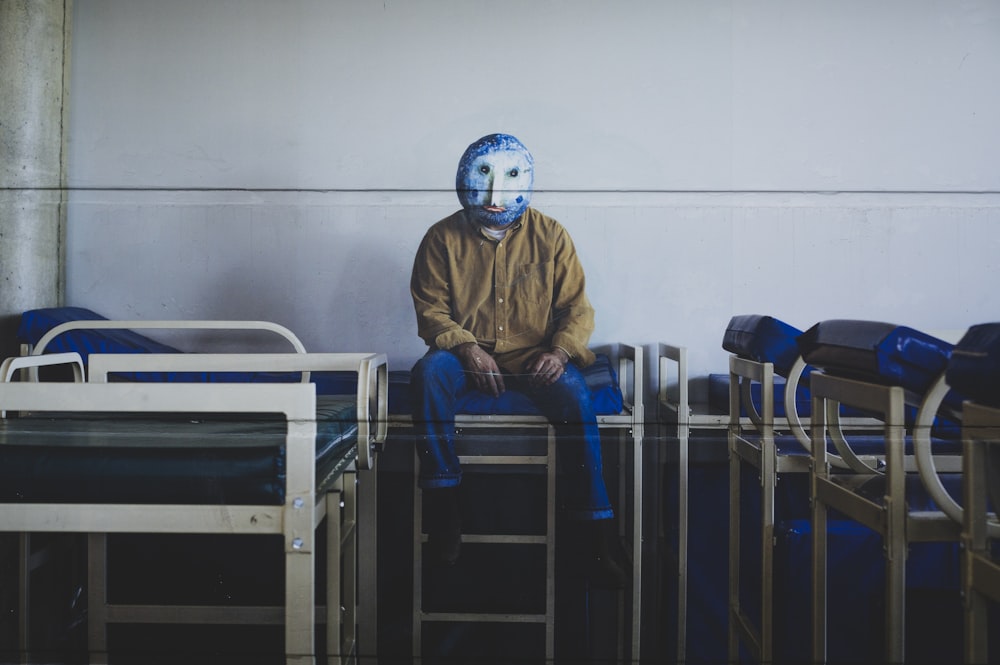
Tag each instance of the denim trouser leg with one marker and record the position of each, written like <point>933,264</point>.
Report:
<point>567,405</point>
<point>438,380</point>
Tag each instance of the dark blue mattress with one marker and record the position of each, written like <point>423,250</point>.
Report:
<point>600,376</point>
<point>876,351</point>
<point>718,396</point>
<point>763,339</point>
<point>974,365</point>
<point>126,458</point>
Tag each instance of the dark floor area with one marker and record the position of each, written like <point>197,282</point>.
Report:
<point>590,627</point>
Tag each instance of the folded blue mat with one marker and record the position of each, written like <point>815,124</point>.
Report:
<point>36,323</point>
<point>763,339</point>
<point>877,352</point>
<point>974,365</point>
<point>887,354</point>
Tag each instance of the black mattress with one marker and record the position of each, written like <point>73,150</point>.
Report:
<point>133,458</point>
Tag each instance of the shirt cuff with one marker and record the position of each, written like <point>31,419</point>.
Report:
<point>569,356</point>
<point>452,338</point>
<point>579,354</point>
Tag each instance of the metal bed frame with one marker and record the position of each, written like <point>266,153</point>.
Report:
<point>752,441</point>
<point>349,506</point>
<point>980,571</point>
<point>629,425</point>
<point>680,417</point>
<point>754,444</point>
<point>890,517</point>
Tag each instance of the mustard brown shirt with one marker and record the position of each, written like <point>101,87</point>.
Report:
<point>514,297</point>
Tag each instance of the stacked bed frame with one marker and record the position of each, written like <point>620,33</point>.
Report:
<point>843,452</point>
<point>313,473</point>
<point>617,378</point>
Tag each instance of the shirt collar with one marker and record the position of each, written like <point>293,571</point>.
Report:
<point>485,232</point>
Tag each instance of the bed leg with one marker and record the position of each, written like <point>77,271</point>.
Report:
<point>24,594</point>
<point>818,473</point>
<point>300,605</point>
<point>367,535</point>
<point>341,572</point>
<point>333,568</point>
<point>733,611</point>
<point>97,597</point>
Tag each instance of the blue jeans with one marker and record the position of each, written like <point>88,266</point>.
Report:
<point>438,381</point>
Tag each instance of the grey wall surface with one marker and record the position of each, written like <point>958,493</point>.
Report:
<point>281,160</point>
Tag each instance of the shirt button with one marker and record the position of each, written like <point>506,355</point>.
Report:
<point>500,300</point>
<point>500,328</point>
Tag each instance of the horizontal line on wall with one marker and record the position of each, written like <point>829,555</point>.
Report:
<point>314,190</point>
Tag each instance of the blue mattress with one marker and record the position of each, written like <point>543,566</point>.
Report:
<point>207,459</point>
<point>856,574</point>
<point>974,365</point>
<point>718,396</point>
<point>877,352</point>
<point>763,339</point>
<point>600,376</point>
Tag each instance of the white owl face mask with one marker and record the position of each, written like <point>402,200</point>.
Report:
<point>494,180</point>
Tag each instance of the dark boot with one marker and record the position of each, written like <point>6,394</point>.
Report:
<point>594,556</point>
<point>444,524</point>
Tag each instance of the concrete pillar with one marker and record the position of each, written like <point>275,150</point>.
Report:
<point>34,70</point>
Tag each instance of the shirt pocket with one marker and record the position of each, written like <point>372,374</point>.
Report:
<point>533,283</point>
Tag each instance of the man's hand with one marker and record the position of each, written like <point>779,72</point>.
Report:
<point>481,367</point>
<point>546,368</point>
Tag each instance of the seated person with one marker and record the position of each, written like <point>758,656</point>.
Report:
<point>500,300</point>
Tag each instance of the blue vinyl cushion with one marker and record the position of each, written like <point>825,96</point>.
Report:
<point>974,365</point>
<point>36,323</point>
<point>876,351</point>
<point>600,375</point>
<point>601,378</point>
<point>763,339</point>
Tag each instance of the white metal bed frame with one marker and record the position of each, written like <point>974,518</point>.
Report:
<point>629,425</point>
<point>680,417</point>
<point>349,503</point>
<point>980,571</point>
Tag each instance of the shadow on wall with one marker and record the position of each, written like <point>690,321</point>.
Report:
<point>346,299</point>
<point>8,335</point>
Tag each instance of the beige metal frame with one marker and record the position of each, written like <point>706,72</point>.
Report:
<point>547,618</point>
<point>368,490</point>
<point>754,444</point>
<point>629,425</point>
<point>980,572</point>
<point>752,441</point>
<point>679,417</point>
<point>296,521</point>
<point>890,517</point>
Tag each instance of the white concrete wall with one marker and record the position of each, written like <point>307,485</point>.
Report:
<point>818,159</point>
